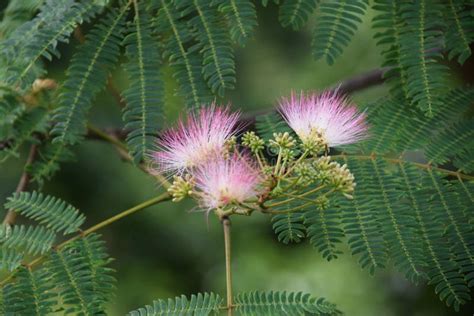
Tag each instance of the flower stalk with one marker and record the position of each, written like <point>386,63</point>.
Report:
<point>228,271</point>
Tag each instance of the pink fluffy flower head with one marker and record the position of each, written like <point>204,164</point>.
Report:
<point>195,140</point>
<point>328,114</point>
<point>223,181</point>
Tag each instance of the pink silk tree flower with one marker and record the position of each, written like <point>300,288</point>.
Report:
<point>327,115</point>
<point>223,181</point>
<point>201,136</point>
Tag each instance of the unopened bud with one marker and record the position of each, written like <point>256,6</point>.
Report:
<point>252,141</point>
<point>181,187</point>
<point>282,140</point>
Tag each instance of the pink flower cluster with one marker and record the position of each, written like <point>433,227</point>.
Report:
<point>328,114</point>
<point>198,146</point>
<point>201,137</point>
<point>225,181</point>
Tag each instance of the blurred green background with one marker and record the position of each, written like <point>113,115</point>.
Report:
<point>169,250</point>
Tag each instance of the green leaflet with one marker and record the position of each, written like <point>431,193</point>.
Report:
<point>336,24</point>
<point>242,19</point>
<point>185,62</point>
<point>419,57</point>
<point>289,227</point>
<point>282,303</point>
<point>36,38</point>
<point>145,95</point>
<point>198,305</point>
<point>49,211</point>
<point>31,294</point>
<point>81,275</point>
<point>396,127</point>
<point>295,13</point>
<point>32,239</point>
<point>218,66</point>
<point>459,30</point>
<point>325,231</point>
<point>75,279</point>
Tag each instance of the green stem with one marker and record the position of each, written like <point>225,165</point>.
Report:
<point>277,165</point>
<point>303,156</point>
<point>292,183</point>
<point>228,271</point>
<point>123,151</point>
<point>159,199</point>
<point>22,185</point>
<point>103,135</point>
<point>296,208</point>
<point>259,160</point>
<point>291,199</point>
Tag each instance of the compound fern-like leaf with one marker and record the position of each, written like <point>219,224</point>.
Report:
<point>361,225</point>
<point>241,17</point>
<point>213,43</point>
<point>87,75</point>
<point>144,97</point>
<point>199,304</point>
<point>336,24</point>
<point>10,259</point>
<point>32,239</point>
<point>32,293</point>
<point>282,303</point>
<point>451,142</point>
<point>421,40</point>
<point>442,270</point>
<point>289,227</point>
<point>295,13</point>
<point>459,30</point>
<point>324,231</point>
<point>184,61</point>
<point>47,210</point>
<point>39,37</point>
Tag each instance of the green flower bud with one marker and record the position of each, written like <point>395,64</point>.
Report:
<point>181,187</point>
<point>252,141</point>
<point>282,141</point>
<point>306,172</point>
<point>332,173</point>
<point>315,143</point>
<point>322,203</point>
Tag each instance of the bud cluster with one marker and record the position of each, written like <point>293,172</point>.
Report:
<point>252,141</point>
<point>283,143</point>
<point>315,143</point>
<point>332,173</point>
<point>327,172</point>
<point>322,202</point>
<point>181,187</point>
<point>306,173</point>
<point>203,153</point>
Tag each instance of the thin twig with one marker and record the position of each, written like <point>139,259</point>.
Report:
<point>22,185</point>
<point>362,81</point>
<point>228,272</point>
<point>123,152</point>
<point>302,195</point>
<point>357,83</point>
